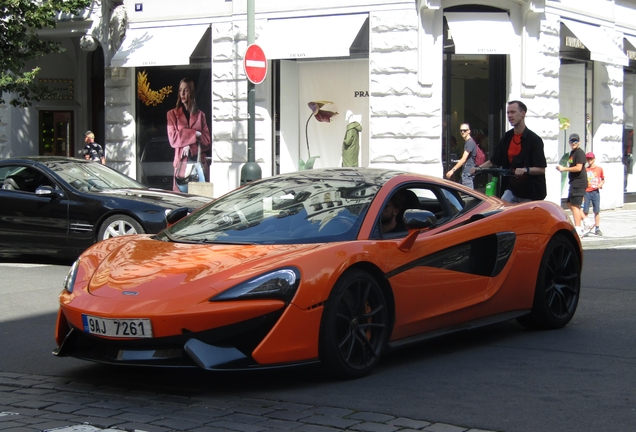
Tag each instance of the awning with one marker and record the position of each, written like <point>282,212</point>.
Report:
<point>312,37</point>
<point>597,42</point>
<point>159,46</point>
<point>482,32</point>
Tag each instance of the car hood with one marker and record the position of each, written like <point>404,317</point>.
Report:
<point>163,198</point>
<point>151,269</point>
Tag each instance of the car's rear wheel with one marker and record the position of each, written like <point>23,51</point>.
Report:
<point>558,286</point>
<point>355,326</point>
<point>119,225</point>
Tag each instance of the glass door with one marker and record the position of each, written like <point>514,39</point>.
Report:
<point>474,93</point>
<point>55,132</point>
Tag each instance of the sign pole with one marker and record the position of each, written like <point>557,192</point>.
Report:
<point>251,170</point>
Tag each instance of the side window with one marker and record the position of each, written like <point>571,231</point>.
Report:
<point>391,222</point>
<point>23,179</point>
<point>430,200</point>
<point>459,202</point>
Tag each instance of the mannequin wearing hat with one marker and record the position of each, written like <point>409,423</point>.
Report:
<point>578,180</point>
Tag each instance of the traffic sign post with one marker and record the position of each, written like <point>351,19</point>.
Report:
<point>255,67</point>
<point>255,64</point>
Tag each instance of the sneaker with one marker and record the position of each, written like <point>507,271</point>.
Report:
<point>588,226</point>
<point>598,232</point>
<point>580,231</point>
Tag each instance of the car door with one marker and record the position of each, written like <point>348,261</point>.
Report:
<point>447,270</point>
<point>31,223</point>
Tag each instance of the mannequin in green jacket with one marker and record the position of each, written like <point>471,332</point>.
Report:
<point>351,143</point>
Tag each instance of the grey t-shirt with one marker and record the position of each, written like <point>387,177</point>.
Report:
<point>470,146</point>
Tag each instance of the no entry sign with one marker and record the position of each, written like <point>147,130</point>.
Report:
<point>255,64</point>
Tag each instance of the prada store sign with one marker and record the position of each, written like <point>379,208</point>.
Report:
<point>573,42</point>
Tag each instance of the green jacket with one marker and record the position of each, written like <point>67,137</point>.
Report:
<point>351,145</point>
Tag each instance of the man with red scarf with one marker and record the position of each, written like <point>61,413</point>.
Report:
<point>520,150</point>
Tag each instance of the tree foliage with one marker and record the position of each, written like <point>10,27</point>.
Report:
<point>20,21</point>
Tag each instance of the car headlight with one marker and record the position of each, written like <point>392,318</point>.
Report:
<point>280,284</point>
<point>69,281</point>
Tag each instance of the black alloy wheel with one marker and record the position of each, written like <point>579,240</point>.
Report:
<point>355,326</point>
<point>558,286</point>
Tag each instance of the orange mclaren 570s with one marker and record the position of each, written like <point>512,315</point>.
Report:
<point>298,268</point>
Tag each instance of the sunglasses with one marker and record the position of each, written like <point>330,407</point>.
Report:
<point>574,141</point>
<point>464,130</point>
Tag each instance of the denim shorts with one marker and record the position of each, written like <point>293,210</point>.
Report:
<point>594,198</point>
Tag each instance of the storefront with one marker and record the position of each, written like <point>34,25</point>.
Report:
<point>408,76</point>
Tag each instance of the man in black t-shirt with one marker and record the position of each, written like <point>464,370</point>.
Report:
<point>577,177</point>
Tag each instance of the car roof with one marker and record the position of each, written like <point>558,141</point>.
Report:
<point>43,159</point>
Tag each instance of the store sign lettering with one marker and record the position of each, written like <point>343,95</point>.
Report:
<point>487,50</point>
<point>361,93</point>
<point>297,55</point>
<point>573,42</point>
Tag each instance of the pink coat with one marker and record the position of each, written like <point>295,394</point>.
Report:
<point>181,134</point>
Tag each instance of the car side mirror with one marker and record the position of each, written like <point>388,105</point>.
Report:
<point>48,191</point>
<point>176,215</point>
<point>419,219</point>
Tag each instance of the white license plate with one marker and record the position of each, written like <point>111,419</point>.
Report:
<point>123,328</point>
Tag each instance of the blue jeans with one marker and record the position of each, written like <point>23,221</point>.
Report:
<point>593,198</point>
<point>510,197</point>
<point>184,188</point>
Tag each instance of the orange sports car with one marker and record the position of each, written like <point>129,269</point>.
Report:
<point>328,265</point>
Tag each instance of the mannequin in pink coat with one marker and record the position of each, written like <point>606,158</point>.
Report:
<point>188,133</point>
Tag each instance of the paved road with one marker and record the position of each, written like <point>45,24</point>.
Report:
<point>500,378</point>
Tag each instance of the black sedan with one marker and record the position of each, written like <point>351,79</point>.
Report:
<point>59,206</point>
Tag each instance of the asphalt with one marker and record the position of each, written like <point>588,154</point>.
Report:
<point>46,403</point>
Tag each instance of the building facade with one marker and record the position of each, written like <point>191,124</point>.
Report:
<point>409,73</point>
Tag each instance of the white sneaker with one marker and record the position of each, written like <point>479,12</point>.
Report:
<point>579,231</point>
<point>588,226</point>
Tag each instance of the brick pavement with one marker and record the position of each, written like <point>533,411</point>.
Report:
<point>44,403</point>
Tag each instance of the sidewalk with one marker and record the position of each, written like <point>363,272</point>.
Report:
<point>618,227</point>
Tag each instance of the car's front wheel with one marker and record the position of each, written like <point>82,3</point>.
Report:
<point>558,286</point>
<point>355,326</point>
<point>119,225</point>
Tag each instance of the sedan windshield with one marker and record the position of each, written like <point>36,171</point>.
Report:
<point>299,208</point>
<point>89,177</point>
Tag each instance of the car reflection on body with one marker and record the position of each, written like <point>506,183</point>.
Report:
<point>156,164</point>
<point>60,206</point>
<point>294,269</point>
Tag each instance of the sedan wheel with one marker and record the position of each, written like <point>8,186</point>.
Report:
<point>119,225</point>
<point>558,286</point>
<point>355,326</point>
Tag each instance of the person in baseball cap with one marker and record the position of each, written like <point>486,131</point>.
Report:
<point>578,181</point>
<point>595,181</point>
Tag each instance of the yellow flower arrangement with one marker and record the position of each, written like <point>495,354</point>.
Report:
<point>146,94</point>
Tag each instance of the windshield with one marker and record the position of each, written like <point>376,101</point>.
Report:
<point>300,208</point>
<point>90,177</point>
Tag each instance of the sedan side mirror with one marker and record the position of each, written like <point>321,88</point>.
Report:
<point>48,191</point>
<point>176,215</point>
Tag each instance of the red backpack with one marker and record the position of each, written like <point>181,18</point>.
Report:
<point>480,157</point>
